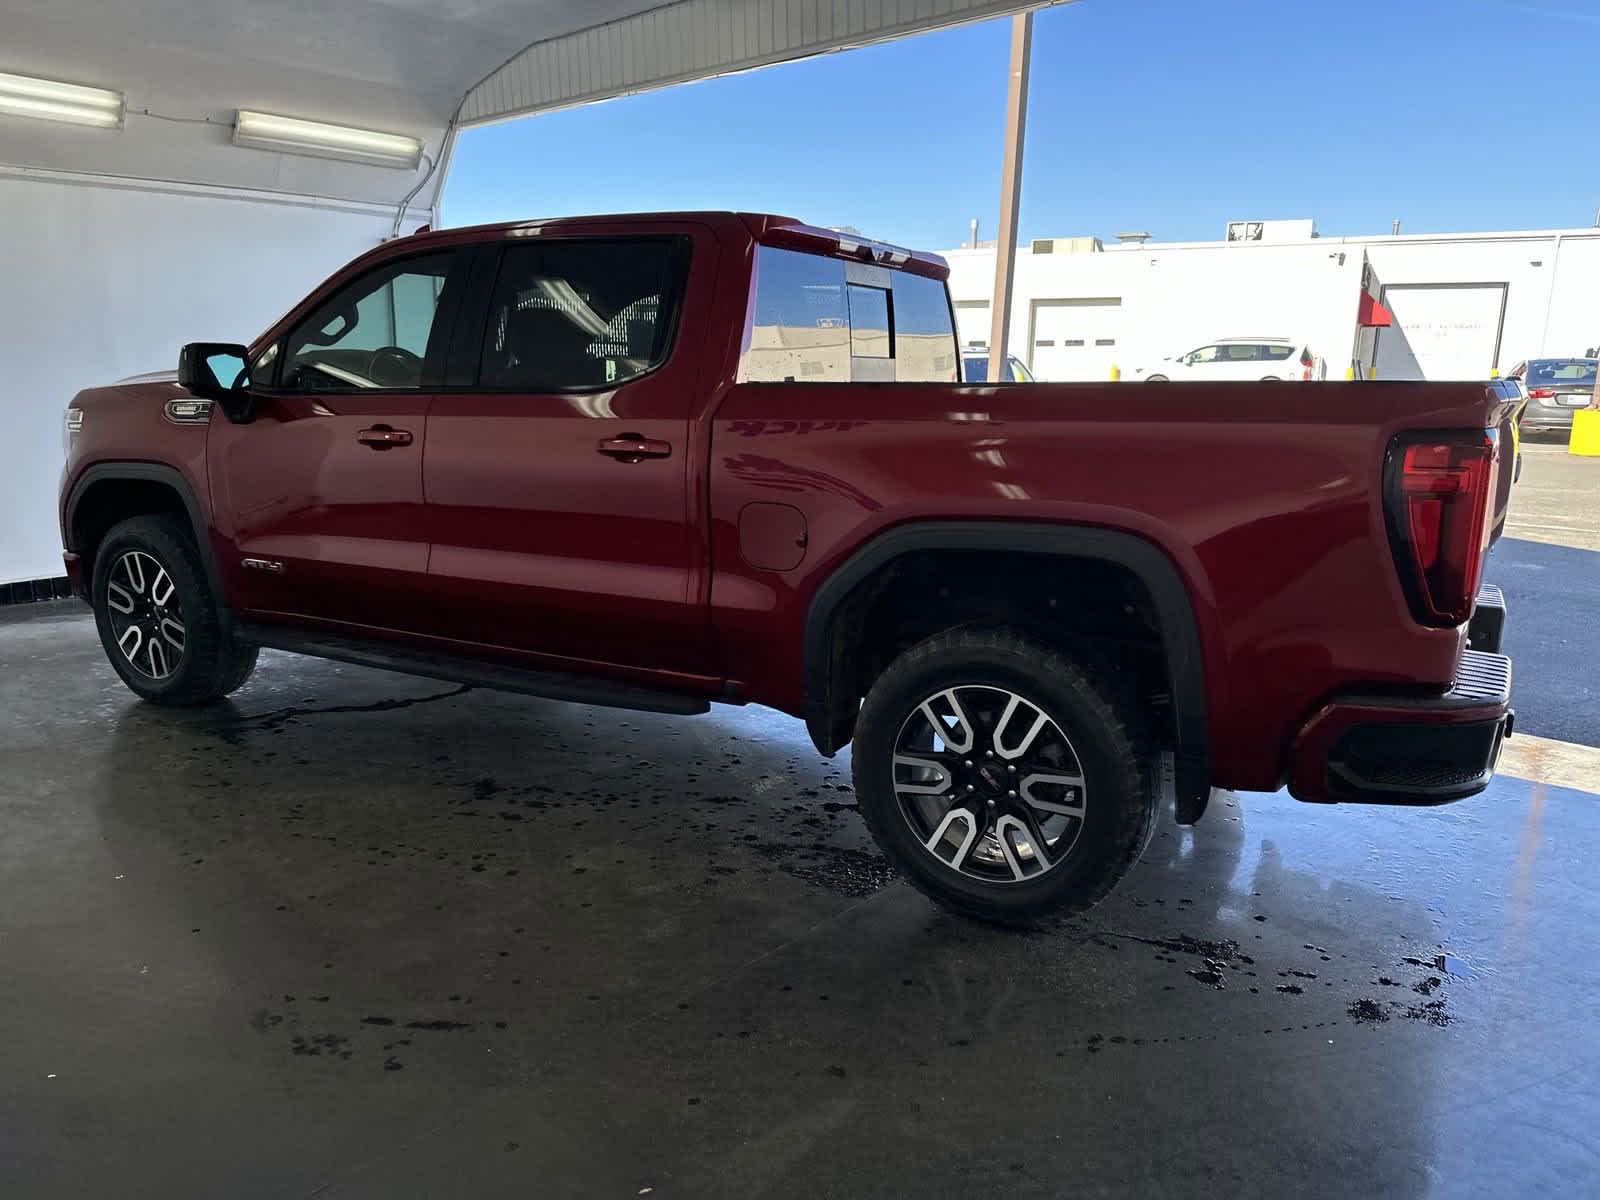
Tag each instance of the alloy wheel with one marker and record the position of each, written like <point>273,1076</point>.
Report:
<point>146,619</point>
<point>989,783</point>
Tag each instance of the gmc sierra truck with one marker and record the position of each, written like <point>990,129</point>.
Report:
<point>664,461</point>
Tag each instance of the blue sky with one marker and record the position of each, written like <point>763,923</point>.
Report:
<point>1172,116</point>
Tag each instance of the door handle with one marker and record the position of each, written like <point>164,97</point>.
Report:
<point>632,448</point>
<point>383,437</point>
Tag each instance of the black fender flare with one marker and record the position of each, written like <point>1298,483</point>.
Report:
<point>146,472</point>
<point>1180,633</point>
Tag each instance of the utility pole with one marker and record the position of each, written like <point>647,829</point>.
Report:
<point>1005,249</point>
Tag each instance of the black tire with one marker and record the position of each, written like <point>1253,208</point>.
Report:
<point>209,663</point>
<point>1156,379</point>
<point>1120,795</point>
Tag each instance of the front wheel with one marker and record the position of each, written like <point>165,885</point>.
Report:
<point>1156,379</point>
<point>159,622</point>
<point>999,779</point>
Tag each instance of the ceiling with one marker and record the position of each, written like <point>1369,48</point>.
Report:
<point>404,66</point>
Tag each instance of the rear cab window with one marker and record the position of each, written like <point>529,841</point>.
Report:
<point>825,320</point>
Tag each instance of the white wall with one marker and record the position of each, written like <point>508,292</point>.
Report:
<point>99,281</point>
<point>1573,325</point>
<point>1538,321</point>
<point>1176,296</point>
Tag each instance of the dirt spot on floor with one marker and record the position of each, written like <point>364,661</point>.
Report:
<point>855,873</point>
<point>1367,1012</point>
<point>1432,1012</point>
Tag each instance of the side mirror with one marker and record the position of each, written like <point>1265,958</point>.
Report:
<point>220,372</point>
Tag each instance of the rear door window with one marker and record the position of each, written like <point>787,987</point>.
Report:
<point>579,314</point>
<point>1275,353</point>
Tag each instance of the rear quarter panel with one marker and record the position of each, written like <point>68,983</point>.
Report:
<point>1265,497</point>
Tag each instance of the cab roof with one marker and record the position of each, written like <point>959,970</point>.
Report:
<point>767,229</point>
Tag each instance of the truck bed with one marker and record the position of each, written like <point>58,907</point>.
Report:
<point>1266,498</point>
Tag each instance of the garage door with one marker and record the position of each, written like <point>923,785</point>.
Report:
<point>1441,331</point>
<point>972,323</point>
<point>1076,339</point>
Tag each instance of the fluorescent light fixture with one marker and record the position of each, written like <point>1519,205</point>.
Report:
<point>25,96</point>
<point>291,135</point>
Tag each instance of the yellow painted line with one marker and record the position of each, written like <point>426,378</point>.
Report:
<point>1558,764</point>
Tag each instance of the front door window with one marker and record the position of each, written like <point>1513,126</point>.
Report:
<point>376,334</point>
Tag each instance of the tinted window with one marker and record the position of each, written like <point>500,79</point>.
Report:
<point>1276,353</point>
<point>800,329</point>
<point>1573,371</point>
<point>374,333</point>
<point>924,339</point>
<point>808,323</point>
<point>1239,353</point>
<point>579,314</point>
<point>869,321</point>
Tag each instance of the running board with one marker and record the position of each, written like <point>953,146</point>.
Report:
<point>550,685</point>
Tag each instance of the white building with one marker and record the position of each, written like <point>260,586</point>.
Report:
<point>1463,305</point>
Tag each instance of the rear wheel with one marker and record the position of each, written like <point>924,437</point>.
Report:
<point>1156,379</point>
<point>158,620</point>
<point>999,779</point>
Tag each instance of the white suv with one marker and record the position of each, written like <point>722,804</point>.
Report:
<point>1239,358</point>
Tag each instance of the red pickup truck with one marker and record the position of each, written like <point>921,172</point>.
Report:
<point>661,461</point>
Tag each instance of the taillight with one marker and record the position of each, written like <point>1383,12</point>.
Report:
<point>1437,502</point>
<point>1305,364</point>
<point>1542,393</point>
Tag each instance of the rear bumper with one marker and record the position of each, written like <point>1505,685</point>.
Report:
<point>1400,750</point>
<point>1546,420</point>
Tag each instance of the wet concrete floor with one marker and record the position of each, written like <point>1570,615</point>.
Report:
<point>358,935</point>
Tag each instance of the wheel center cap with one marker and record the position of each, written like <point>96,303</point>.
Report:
<point>992,778</point>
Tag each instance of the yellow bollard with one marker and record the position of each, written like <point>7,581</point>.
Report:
<point>1349,372</point>
<point>1585,439</point>
<point>1116,373</point>
<point>1494,372</point>
<point>1372,371</point>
